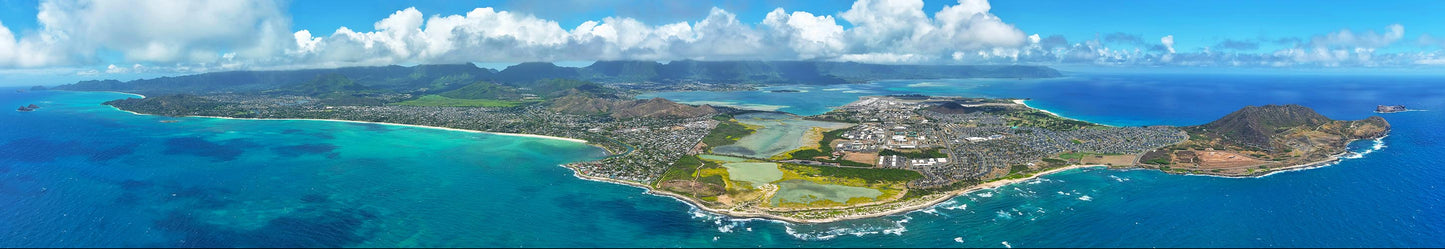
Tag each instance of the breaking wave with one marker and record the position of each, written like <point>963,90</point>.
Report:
<point>816,233</point>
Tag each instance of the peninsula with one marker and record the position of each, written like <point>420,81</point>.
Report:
<point>876,156</point>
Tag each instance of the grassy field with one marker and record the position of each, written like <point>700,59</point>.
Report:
<point>727,132</point>
<point>437,100</point>
<point>683,169</point>
<point>869,175</point>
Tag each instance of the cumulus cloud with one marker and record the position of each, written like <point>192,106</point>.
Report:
<point>1334,49</point>
<point>1346,38</point>
<point>884,31</point>
<point>1428,40</point>
<point>890,30</point>
<point>1168,42</point>
<point>209,35</point>
<point>167,31</point>
<point>154,31</point>
<point>28,51</point>
<point>808,35</point>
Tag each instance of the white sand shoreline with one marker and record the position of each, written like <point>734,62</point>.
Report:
<point>410,125</point>
<point>933,200</point>
<point>1025,104</point>
<point>381,123</point>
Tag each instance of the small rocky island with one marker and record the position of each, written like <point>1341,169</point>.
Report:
<point>1390,108</point>
<point>28,108</point>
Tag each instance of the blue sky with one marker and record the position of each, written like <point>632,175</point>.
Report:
<point>140,38</point>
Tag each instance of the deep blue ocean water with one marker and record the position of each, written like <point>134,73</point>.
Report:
<point>76,173</point>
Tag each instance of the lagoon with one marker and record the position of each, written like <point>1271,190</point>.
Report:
<point>804,192</point>
<point>779,133</point>
<point>757,174</point>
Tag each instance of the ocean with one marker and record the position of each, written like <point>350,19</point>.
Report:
<point>79,174</point>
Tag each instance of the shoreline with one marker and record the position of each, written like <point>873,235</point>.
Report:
<point>767,216</point>
<point>367,122</point>
<point>904,207</point>
<point>382,123</point>
<point>1332,160</point>
<point>1025,104</point>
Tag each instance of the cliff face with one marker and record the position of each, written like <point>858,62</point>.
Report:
<point>620,108</point>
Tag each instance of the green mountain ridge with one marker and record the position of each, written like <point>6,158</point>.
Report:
<point>432,79</point>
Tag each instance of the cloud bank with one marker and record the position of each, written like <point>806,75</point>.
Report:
<point>212,35</point>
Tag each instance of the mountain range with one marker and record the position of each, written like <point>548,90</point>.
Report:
<point>431,79</point>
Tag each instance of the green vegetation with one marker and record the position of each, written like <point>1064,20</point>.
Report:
<point>808,154</point>
<point>723,117</point>
<point>921,192</point>
<point>683,169</point>
<point>1036,118</point>
<point>726,133</point>
<point>1018,169</point>
<point>930,153</point>
<point>870,175</point>
<point>324,85</point>
<point>825,151</point>
<point>175,105</point>
<point>1073,155</point>
<point>713,179</point>
<point>1158,161</point>
<point>483,90</point>
<point>437,100</point>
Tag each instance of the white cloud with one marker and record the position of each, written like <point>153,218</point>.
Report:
<point>114,69</point>
<point>167,31</point>
<point>158,31</point>
<point>901,27</point>
<point>1346,38</point>
<point>1168,42</point>
<point>29,51</point>
<point>808,35</point>
<point>209,35</point>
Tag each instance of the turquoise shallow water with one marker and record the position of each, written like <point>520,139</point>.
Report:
<point>76,173</point>
<point>779,133</point>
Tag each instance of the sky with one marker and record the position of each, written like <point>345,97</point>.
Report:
<point>60,41</point>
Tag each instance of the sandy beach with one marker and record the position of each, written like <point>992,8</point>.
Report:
<point>1023,103</point>
<point>410,125</point>
<point>366,122</point>
<point>380,123</point>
